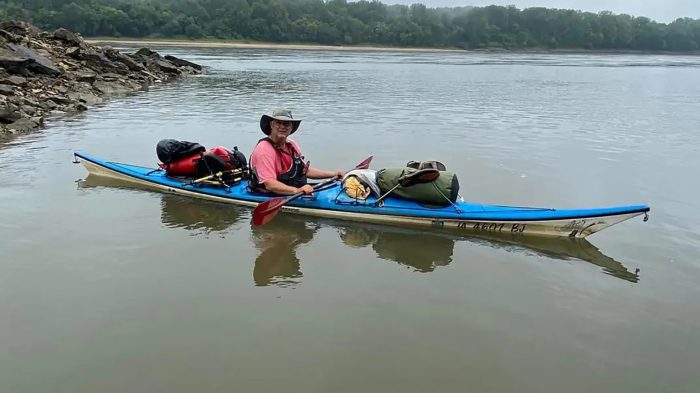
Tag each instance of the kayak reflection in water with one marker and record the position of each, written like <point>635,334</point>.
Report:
<point>563,249</point>
<point>277,263</point>
<point>424,251</point>
<point>201,217</point>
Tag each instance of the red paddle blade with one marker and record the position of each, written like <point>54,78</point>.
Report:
<point>262,219</point>
<point>364,164</point>
<point>267,210</point>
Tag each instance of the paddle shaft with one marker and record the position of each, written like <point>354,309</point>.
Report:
<point>363,165</point>
<point>386,194</point>
<point>315,187</point>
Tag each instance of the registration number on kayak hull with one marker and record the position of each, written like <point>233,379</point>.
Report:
<point>492,227</point>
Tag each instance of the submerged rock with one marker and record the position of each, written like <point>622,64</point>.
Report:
<point>42,72</point>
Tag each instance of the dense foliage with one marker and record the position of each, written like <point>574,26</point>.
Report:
<point>362,22</point>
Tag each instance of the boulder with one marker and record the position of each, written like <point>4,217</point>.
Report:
<point>110,88</point>
<point>74,52</point>
<point>39,63</point>
<point>13,80</point>
<point>145,52</point>
<point>7,90</point>
<point>129,62</point>
<point>168,67</point>
<point>28,109</point>
<point>9,113</point>
<point>86,98</point>
<point>182,62</point>
<point>110,76</point>
<point>10,37</point>
<point>71,38</point>
<point>20,28</point>
<point>25,124</point>
<point>86,76</point>
<point>10,61</point>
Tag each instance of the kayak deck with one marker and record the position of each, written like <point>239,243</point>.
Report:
<point>333,202</point>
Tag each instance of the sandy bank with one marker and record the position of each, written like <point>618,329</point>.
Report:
<point>245,45</point>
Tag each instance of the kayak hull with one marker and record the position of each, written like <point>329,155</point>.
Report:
<point>333,203</point>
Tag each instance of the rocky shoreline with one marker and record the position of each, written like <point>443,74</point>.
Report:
<point>59,72</point>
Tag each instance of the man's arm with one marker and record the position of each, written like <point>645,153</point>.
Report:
<point>277,187</point>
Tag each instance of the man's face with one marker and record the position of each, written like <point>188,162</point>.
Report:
<point>280,128</point>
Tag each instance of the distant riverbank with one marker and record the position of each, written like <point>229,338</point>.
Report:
<point>257,45</point>
<point>357,48</point>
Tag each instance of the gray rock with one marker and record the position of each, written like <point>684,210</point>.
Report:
<point>74,52</point>
<point>110,76</point>
<point>10,61</point>
<point>16,100</point>
<point>84,97</point>
<point>47,105</point>
<point>62,89</point>
<point>40,63</point>
<point>69,37</point>
<point>86,76</point>
<point>110,88</point>
<point>60,100</point>
<point>10,37</point>
<point>28,109</point>
<point>129,62</point>
<point>14,80</point>
<point>7,90</point>
<point>24,124</point>
<point>98,61</point>
<point>145,52</point>
<point>9,113</point>
<point>183,63</point>
<point>19,27</point>
<point>44,72</point>
<point>168,67</point>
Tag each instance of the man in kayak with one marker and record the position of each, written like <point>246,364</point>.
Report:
<point>276,162</point>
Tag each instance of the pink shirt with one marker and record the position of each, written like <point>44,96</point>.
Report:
<point>270,162</point>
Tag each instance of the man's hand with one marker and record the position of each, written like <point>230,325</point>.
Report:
<point>306,189</point>
<point>340,174</point>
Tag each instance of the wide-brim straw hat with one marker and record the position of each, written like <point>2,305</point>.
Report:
<point>278,114</point>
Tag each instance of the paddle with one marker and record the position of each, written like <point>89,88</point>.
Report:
<point>422,176</point>
<point>266,211</point>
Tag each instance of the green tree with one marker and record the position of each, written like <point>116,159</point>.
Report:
<point>358,22</point>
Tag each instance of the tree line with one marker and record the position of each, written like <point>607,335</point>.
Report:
<point>340,22</point>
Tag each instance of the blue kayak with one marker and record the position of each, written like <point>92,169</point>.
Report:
<point>333,202</point>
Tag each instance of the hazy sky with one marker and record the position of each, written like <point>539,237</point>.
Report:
<point>659,10</point>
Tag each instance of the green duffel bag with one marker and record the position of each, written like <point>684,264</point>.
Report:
<point>434,193</point>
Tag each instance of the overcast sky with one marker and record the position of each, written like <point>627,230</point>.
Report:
<point>659,10</point>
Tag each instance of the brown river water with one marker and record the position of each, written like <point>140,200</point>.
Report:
<point>106,287</point>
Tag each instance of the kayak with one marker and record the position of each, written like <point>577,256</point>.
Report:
<point>333,202</point>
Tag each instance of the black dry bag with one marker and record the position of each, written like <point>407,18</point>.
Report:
<point>170,150</point>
